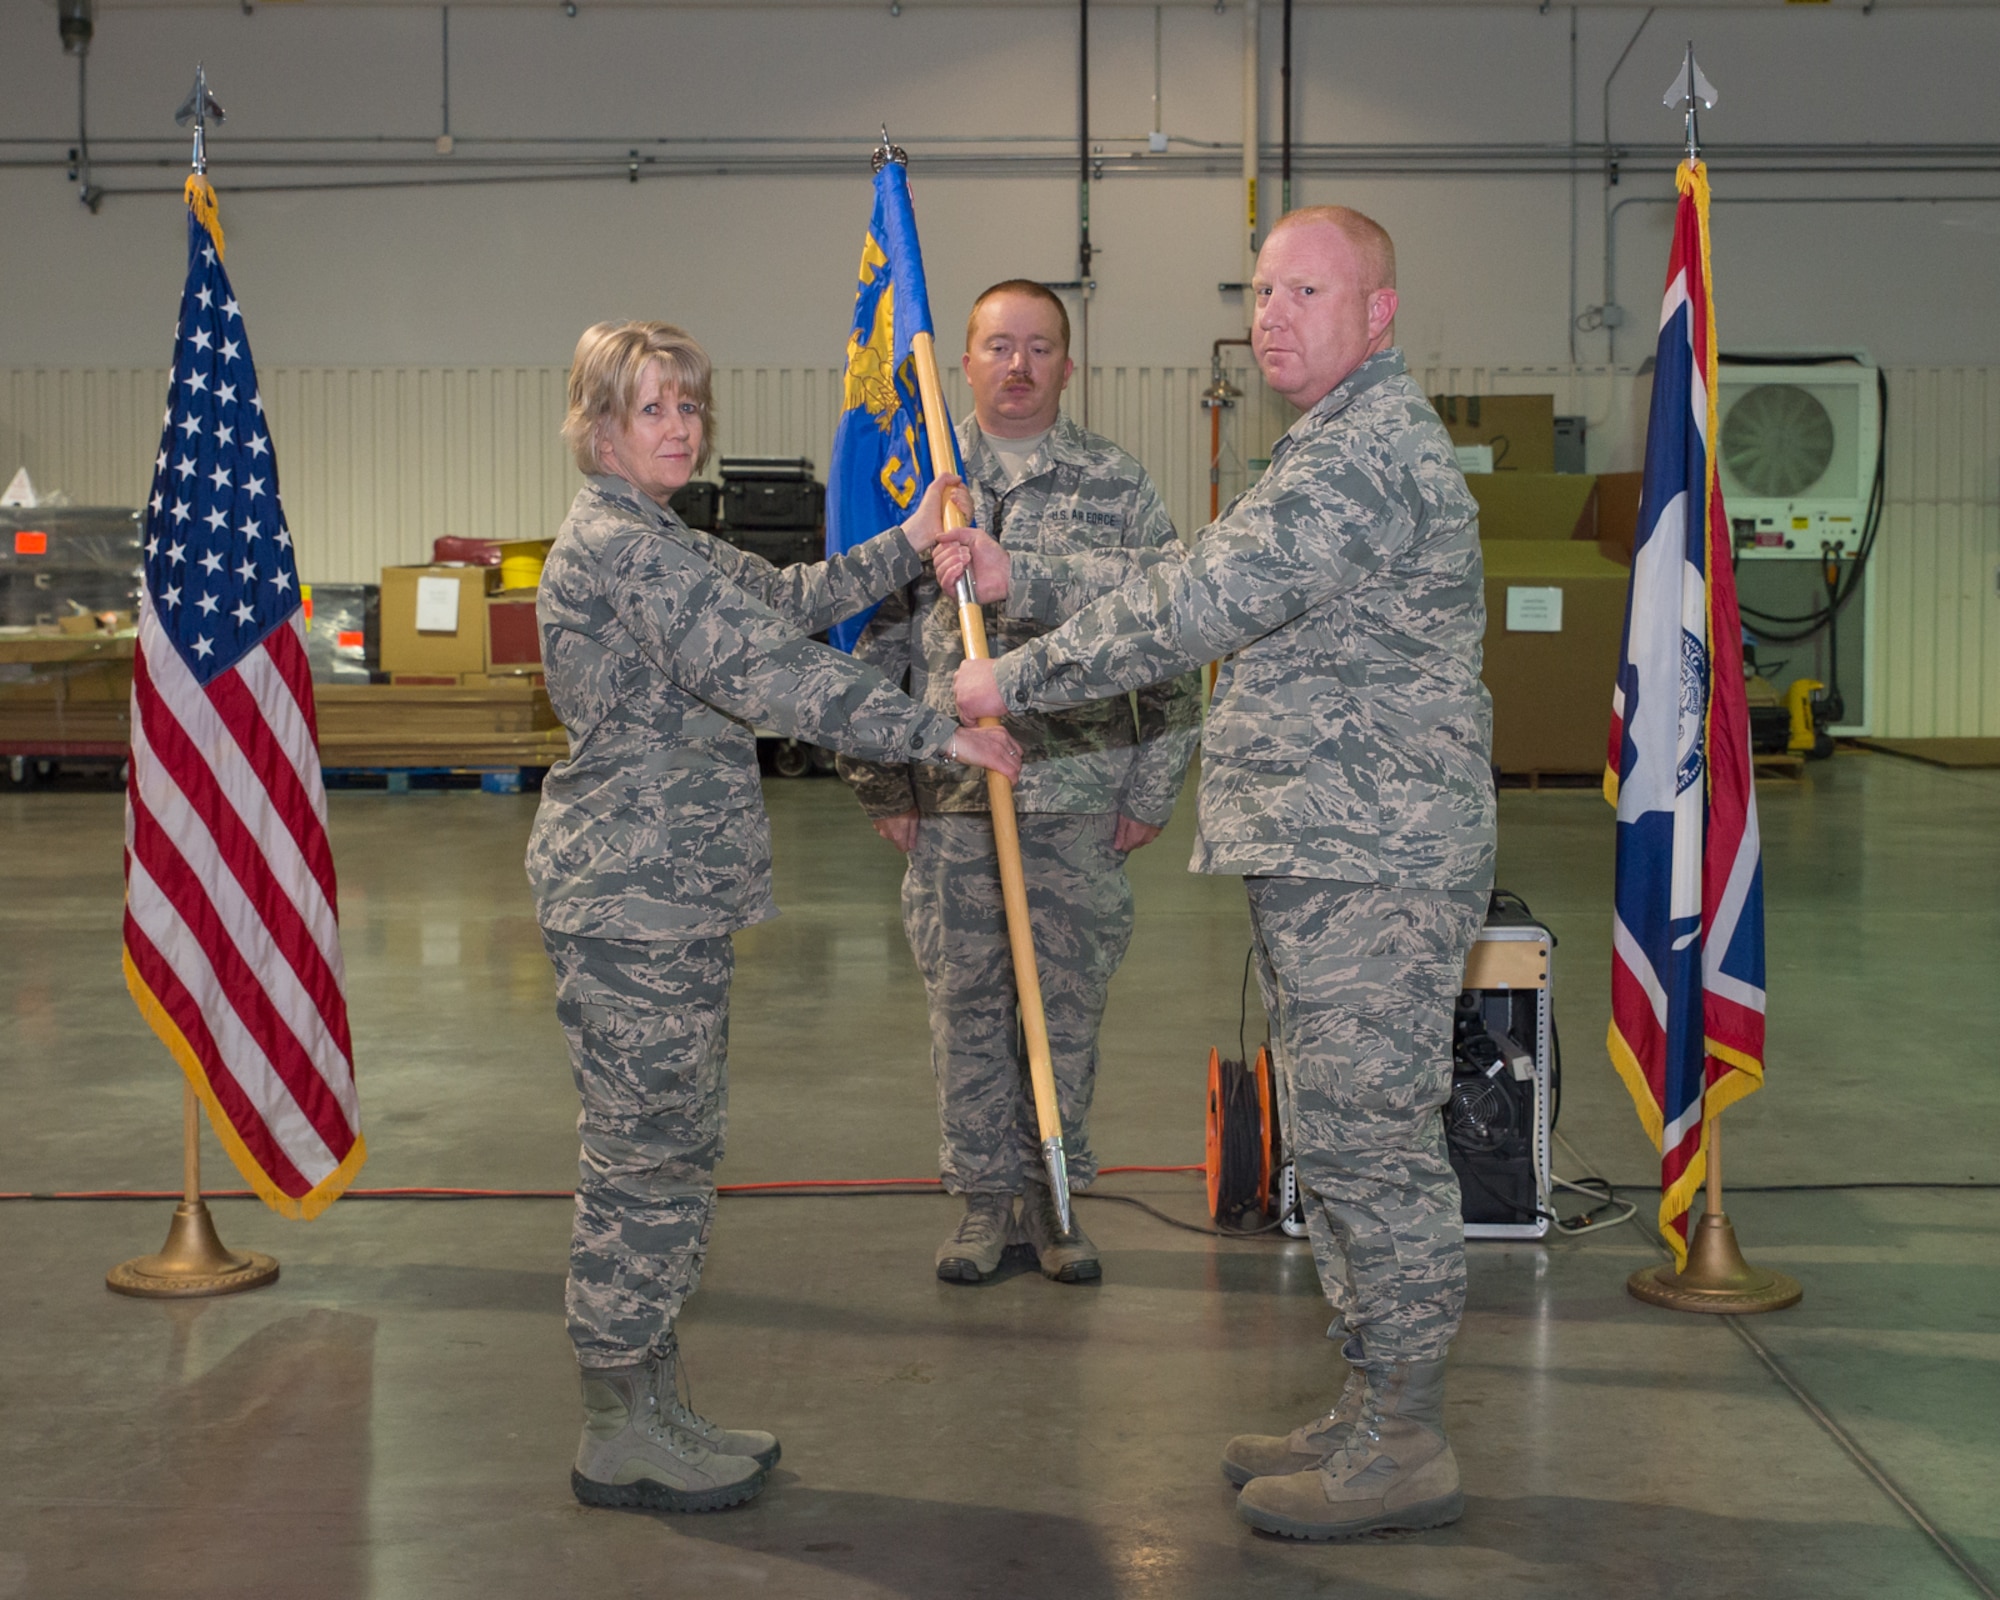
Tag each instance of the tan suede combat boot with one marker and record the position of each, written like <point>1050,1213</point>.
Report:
<point>671,1394</point>
<point>973,1251</point>
<point>1066,1257</point>
<point>631,1456</point>
<point>1396,1469</point>
<point>1309,1445</point>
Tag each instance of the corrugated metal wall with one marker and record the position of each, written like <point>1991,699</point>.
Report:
<point>377,462</point>
<point>1938,608</point>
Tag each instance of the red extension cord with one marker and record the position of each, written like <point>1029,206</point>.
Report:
<point>526,1194</point>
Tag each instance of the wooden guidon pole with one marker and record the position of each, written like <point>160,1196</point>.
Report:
<point>1006,827</point>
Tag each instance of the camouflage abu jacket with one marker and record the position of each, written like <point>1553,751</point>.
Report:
<point>664,648</point>
<point>1081,509</point>
<point>1349,735</point>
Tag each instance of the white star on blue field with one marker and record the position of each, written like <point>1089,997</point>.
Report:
<point>218,555</point>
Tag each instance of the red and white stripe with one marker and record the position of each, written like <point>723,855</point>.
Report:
<point>231,923</point>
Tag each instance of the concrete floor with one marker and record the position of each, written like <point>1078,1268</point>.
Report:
<point>395,1417</point>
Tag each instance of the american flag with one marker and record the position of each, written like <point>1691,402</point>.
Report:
<point>1687,968</point>
<point>232,942</point>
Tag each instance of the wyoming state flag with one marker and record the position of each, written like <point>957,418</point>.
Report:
<point>1687,968</point>
<point>881,452</point>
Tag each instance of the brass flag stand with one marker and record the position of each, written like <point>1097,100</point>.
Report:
<point>192,1262</point>
<point>1716,1277</point>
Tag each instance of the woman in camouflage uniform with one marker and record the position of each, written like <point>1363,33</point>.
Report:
<point>665,649</point>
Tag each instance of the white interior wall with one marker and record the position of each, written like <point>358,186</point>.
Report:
<point>385,286</point>
<point>760,267</point>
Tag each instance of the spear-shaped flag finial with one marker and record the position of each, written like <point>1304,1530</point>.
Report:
<point>199,106</point>
<point>1698,93</point>
<point>886,153</point>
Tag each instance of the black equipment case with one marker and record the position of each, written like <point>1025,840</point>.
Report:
<point>1500,1118</point>
<point>694,503</point>
<point>770,492</point>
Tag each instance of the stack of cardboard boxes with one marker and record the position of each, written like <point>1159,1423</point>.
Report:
<point>1557,546</point>
<point>462,657</point>
<point>456,626</point>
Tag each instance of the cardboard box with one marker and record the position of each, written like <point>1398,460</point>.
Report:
<point>448,635</point>
<point>1618,514</point>
<point>1521,428</point>
<point>1535,505</point>
<point>513,641</point>
<point>1552,689</point>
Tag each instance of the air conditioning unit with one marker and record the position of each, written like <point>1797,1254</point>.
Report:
<point>1798,455</point>
<point>1799,452</point>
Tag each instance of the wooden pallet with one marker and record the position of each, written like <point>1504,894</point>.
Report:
<point>65,694</point>
<point>1788,766</point>
<point>408,780</point>
<point>379,725</point>
<point>1536,782</point>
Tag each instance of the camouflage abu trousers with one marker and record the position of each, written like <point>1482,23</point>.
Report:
<point>1359,980</point>
<point>1081,905</point>
<point>648,1030</point>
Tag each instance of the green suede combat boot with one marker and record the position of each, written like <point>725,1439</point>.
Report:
<point>1396,1469</point>
<point>675,1401</point>
<point>972,1253</point>
<point>631,1456</point>
<point>1309,1445</point>
<point>1066,1257</point>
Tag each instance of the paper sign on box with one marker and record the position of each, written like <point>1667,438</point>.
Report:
<point>1534,610</point>
<point>437,605</point>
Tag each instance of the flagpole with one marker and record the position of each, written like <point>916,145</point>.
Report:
<point>1715,1163</point>
<point>192,1263</point>
<point>190,1146</point>
<point>1716,1277</point>
<point>999,791</point>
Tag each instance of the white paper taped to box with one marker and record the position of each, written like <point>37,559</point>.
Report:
<point>437,605</point>
<point>1532,609</point>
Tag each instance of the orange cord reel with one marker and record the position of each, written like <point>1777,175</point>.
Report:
<point>1241,1137</point>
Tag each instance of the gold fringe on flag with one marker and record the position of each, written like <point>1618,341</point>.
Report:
<point>200,195</point>
<point>306,1206</point>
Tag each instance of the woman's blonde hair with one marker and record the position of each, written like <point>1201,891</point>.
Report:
<point>611,359</point>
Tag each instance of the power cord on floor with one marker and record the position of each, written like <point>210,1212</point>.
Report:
<point>1594,1218</point>
<point>1592,1186</point>
<point>1186,1227</point>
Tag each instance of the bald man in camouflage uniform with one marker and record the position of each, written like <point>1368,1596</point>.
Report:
<point>1099,780</point>
<point>1345,775</point>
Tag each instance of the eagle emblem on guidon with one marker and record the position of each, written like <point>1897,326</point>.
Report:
<point>870,384</point>
<point>871,375</point>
